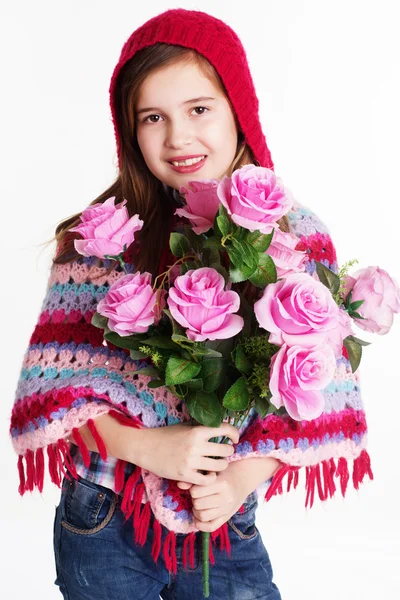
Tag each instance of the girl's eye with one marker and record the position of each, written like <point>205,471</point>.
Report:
<point>195,108</point>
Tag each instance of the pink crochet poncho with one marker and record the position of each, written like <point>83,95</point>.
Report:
<point>69,377</point>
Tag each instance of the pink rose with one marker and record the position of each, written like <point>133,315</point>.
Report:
<point>381,295</point>
<point>299,310</point>
<point>297,377</point>
<point>255,198</point>
<point>130,304</point>
<point>202,204</point>
<point>106,229</point>
<point>198,302</point>
<point>282,249</point>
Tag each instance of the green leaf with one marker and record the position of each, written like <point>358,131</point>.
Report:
<point>249,255</point>
<point>259,241</point>
<point>130,342</point>
<point>235,256</point>
<point>262,405</point>
<point>99,321</point>
<point>196,241</point>
<point>357,315</point>
<point>176,328</point>
<point>195,384</point>
<point>207,352</point>
<point>241,233</point>
<point>354,350</point>
<point>205,408</point>
<point>242,362</point>
<point>272,409</point>
<point>212,372</point>
<point>181,339</point>
<point>222,210</point>
<point>237,397</point>
<point>265,272</point>
<point>237,275</point>
<point>224,224</point>
<point>160,342</point>
<point>348,300</point>
<point>327,277</point>
<point>152,371</point>
<point>179,244</point>
<point>353,338</point>
<point>179,370</point>
<point>210,256</point>
<point>155,383</point>
<point>186,266</point>
<point>223,347</point>
<point>355,305</point>
<point>213,242</point>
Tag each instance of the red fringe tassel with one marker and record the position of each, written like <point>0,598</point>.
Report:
<point>39,469</point>
<point>321,477</point>
<point>67,458</point>
<point>144,522</point>
<point>190,541</point>
<point>119,479</point>
<point>170,552</point>
<point>224,541</point>
<point>227,543</point>
<point>98,439</point>
<point>31,474</point>
<point>83,449</point>
<point>128,421</point>
<point>30,471</point>
<point>21,472</point>
<point>127,504</point>
<point>155,550</point>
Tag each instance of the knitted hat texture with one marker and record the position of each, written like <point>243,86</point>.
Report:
<point>221,46</point>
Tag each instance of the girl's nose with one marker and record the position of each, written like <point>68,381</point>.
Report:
<point>178,136</point>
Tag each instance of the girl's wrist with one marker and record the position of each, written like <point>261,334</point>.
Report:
<point>252,472</point>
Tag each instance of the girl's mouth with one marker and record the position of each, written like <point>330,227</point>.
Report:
<point>188,168</point>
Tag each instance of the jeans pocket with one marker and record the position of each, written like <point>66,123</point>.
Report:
<point>87,507</point>
<point>244,524</point>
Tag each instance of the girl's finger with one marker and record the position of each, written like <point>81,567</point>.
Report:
<point>210,525</point>
<point>207,502</point>
<point>207,515</point>
<point>184,485</point>
<point>199,491</point>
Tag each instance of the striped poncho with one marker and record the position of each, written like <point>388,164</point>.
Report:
<point>70,376</point>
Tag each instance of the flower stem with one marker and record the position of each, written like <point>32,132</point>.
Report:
<point>206,564</point>
<point>166,273</point>
<point>117,258</point>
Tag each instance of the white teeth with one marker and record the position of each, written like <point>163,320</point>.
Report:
<point>186,163</point>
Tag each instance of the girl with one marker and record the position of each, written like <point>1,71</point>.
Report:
<point>136,482</point>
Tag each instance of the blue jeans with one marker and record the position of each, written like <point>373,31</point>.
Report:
<point>97,559</point>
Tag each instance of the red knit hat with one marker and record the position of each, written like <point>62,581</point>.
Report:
<point>220,45</point>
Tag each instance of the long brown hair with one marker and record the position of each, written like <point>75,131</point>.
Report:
<point>145,194</point>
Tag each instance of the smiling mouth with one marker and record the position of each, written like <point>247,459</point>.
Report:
<point>187,163</point>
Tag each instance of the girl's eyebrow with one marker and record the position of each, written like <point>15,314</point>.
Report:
<point>200,99</point>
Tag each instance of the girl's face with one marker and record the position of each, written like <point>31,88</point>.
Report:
<point>175,124</point>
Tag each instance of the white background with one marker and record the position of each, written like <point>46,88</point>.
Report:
<point>327,78</point>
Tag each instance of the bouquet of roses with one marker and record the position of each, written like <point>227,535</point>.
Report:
<point>235,323</point>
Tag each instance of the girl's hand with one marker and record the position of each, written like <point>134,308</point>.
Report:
<point>215,504</point>
<point>182,451</point>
